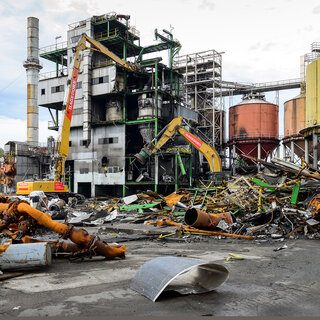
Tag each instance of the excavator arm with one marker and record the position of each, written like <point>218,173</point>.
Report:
<point>62,147</point>
<point>97,46</point>
<point>168,132</point>
<point>63,144</point>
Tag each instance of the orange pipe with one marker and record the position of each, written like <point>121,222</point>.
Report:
<point>78,236</point>
<point>217,233</point>
<point>197,218</point>
<point>3,248</point>
<point>169,223</point>
<point>3,206</point>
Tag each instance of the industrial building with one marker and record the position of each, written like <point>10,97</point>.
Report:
<point>118,110</point>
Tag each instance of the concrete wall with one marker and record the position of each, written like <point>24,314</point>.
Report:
<point>88,160</point>
<point>50,98</point>
<point>106,87</point>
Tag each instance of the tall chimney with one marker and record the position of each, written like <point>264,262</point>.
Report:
<point>32,66</point>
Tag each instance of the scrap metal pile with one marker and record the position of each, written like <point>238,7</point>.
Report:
<point>19,221</point>
<point>281,202</point>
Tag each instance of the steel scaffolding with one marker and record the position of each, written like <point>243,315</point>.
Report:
<point>202,73</point>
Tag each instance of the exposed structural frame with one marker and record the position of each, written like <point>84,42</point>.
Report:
<point>202,73</point>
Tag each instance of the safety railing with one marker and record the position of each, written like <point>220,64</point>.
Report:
<point>52,125</point>
<point>104,17</point>
<point>78,24</point>
<point>106,34</point>
<point>310,57</point>
<point>134,30</point>
<point>53,74</point>
<point>100,64</point>
<point>277,83</point>
<point>54,47</point>
<point>315,46</point>
<point>254,135</point>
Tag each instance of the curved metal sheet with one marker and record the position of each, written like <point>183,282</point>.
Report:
<point>186,276</point>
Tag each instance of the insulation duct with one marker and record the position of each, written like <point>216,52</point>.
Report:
<point>32,66</point>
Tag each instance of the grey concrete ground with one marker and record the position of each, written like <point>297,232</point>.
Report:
<point>265,283</point>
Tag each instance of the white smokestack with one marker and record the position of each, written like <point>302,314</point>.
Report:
<point>32,66</point>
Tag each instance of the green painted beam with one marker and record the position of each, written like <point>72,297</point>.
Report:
<point>183,171</point>
<point>138,206</point>
<point>263,184</point>
<point>295,193</point>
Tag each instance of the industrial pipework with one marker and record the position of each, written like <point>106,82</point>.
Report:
<point>32,66</point>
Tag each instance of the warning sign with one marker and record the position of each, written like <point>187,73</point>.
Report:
<point>193,140</point>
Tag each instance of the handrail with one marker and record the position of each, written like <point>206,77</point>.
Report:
<point>106,34</point>
<point>254,135</point>
<point>54,47</point>
<point>53,74</point>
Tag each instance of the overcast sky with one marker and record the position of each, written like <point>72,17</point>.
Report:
<point>262,40</point>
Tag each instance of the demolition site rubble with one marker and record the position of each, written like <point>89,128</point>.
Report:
<point>281,202</point>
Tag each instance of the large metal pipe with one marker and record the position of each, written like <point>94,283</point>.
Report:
<point>78,236</point>
<point>197,218</point>
<point>29,255</point>
<point>32,66</point>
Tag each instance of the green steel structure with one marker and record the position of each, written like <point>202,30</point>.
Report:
<point>152,79</point>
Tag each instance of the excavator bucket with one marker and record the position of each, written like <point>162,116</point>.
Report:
<point>143,155</point>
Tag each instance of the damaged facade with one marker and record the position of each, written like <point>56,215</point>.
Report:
<point>116,111</point>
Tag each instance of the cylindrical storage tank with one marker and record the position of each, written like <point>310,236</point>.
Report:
<point>313,94</point>
<point>294,121</point>
<point>114,110</point>
<point>312,124</point>
<point>147,106</point>
<point>254,122</point>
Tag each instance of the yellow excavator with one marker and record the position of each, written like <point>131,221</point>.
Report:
<point>176,126</point>
<point>57,185</point>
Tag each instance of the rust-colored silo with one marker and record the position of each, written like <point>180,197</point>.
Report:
<point>254,125</point>
<point>294,121</point>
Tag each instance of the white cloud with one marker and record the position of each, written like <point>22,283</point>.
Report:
<point>262,40</point>
<point>16,130</point>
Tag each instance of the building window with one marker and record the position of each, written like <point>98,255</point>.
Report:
<point>108,140</point>
<point>84,143</point>
<point>75,39</point>
<point>104,162</point>
<point>77,111</point>
<point>70,143</point>
<point>84,170</point>
<point>79,85</point>
<point>57,89</point>
<point>100,80</point>
<point>43,92</point>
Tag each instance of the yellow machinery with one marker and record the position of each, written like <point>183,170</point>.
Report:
<point>175,126</point>
<point>62,148</point>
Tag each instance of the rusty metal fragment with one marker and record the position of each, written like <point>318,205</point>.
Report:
<point>198,218</point>
<point>20,211</point>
